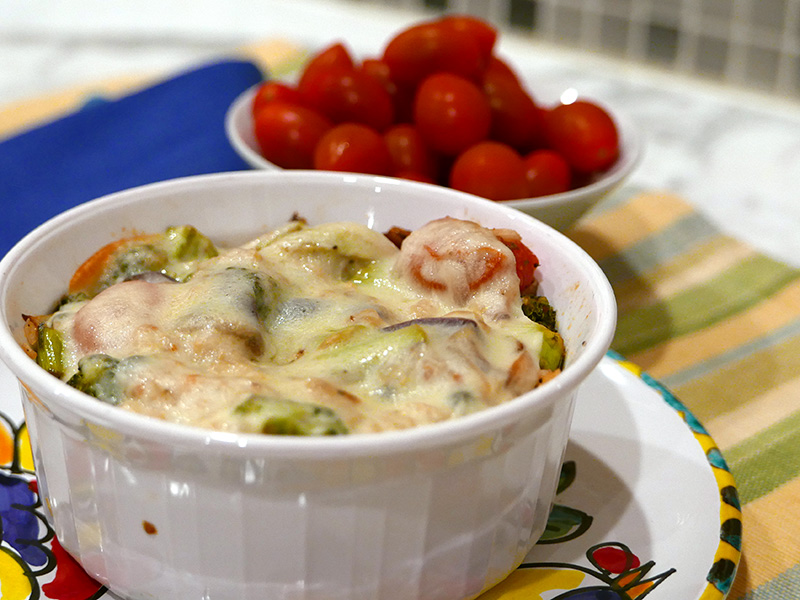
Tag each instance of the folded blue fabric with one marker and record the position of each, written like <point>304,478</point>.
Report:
<point>172,129</point>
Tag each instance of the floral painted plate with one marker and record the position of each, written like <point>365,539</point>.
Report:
<point>646,507</point>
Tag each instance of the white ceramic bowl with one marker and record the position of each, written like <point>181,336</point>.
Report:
<point>557,210</point>
<point>158,510</point>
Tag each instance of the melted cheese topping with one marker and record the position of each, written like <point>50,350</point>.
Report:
<point>332,317</point>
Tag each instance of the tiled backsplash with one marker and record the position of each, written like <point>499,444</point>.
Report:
<point>747,43</point>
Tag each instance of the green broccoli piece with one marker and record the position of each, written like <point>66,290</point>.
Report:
<point>539,310</point>
<point>288,417</point>
<point>97,376</point>
<point>135,260</point>
<point>185,243</point>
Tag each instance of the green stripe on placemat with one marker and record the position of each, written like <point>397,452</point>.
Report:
<point>746,283</point>
<point>785,586</point>
<point>767,460</point>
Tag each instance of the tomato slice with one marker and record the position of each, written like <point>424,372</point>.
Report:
<point>526,261</point>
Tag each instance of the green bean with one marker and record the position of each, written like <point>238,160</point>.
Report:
<point>50,350</point>
<point>288,417</point>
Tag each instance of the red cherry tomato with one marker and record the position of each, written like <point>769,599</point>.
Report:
<point>353,147</point>
<point>497,67</point>
<point>348,94</point>
<point>402,95</point>
<point>409,151</point>
<point>547,173</point>
<point>451,113</point>
<point>584,134</point>
<point>333,56</point>
<point>428,48</point>
<point>482,32</point>
<point>516,119</point>
<point>492,170</point>
<point>288,134</point>
<point>274,91</point>
<point>412,176</point>
<point>379,71</point>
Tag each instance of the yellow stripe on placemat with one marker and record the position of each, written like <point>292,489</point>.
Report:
<point>771,541</point>
<point>278,57</point>
<point>733,427</point>
<point>612,231</point>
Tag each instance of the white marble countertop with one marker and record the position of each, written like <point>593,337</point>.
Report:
<point>734,155</point>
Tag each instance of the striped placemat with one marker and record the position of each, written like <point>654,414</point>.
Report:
<point>718,323</point>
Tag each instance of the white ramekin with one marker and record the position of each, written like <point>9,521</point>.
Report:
<point>158,510</point>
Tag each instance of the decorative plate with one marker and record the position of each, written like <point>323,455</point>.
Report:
<point>646,506</point>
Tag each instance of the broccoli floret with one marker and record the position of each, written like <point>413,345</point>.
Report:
<point>135,261</point>
<point>96,376</point>
<point>538,309</point>
<point>186,243</point>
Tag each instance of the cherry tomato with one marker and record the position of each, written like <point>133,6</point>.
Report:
<point>547,173</point>
<point>402,95</point>
<point>451,113</point>
<point>428,48</point>
<point>274,91</point>
<point>379,71</point>
<point>355,148</point>
<point>333,56</point>
<point>497,67</point>
<point>584,134</point>
<point>413,176</point>
<point>409,151</point>
<point>348,94</point>
<point>492,170</point>
<point>288,133</point>
<point>482,32</point>
<point>516,119</point>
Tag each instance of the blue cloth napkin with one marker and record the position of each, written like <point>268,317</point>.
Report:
<point>172,129</point>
